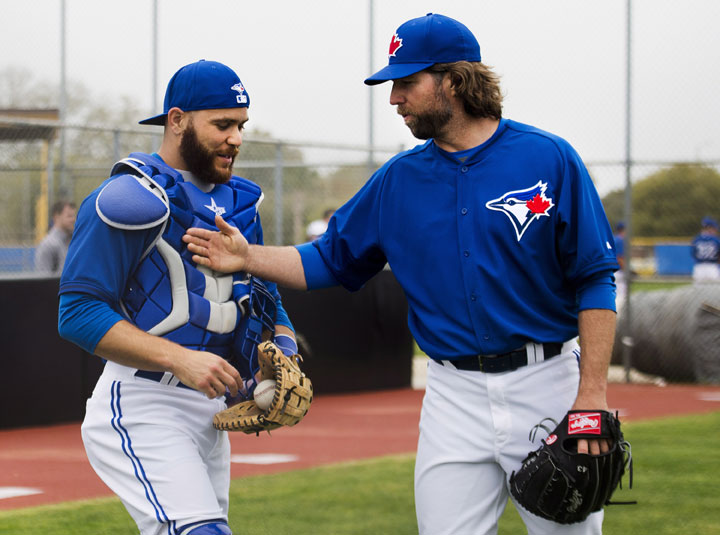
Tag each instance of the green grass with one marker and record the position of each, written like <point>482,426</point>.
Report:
<point>676,465</point>
<point>649,285</point>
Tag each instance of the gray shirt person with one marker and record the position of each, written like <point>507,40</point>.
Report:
<point>50,253</point>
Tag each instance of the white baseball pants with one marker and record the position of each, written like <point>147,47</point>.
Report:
<point>155,447</point>
<point>474,431</point>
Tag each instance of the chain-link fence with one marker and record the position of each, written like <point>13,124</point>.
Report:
<point>42,162</point>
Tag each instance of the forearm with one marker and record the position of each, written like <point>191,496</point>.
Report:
<point>597,335</point>
<point>278,264</point>
<point>125,344</point>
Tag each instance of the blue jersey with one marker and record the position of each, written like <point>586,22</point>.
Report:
<point>706,248</point>
<point>494,246</point>
<point>142,270</point>
<point>619,245</point>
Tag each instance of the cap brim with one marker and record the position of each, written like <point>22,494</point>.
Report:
<point>158,120</point>
<point>396,71</point>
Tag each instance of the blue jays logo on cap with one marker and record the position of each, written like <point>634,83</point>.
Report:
<point>395,43</point>
<point>523,206</point>
<point>203,85</point>
<point>421,43</point>
<point>242,98</point>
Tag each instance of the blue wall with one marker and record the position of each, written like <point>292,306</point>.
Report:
<point>674,259</point>
<point>16,259</point>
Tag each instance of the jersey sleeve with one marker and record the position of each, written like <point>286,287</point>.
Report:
<point>585,238</point>
<point>317,274</point>
<point>84,320</point>
<point>350,247</point>
<point>101,258</point>
<point>694,248</point>
<point>598,292</point>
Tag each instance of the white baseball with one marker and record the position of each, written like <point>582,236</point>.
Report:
<point>263,394</point>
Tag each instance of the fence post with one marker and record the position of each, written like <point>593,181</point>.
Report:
<point>625,328</point>
<point>116,146</point>
<point>278,184</point>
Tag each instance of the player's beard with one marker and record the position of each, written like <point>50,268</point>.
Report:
<point>431,123</point>
<point>200,160</point>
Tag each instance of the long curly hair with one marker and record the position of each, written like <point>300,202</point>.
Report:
<point>476,84</point>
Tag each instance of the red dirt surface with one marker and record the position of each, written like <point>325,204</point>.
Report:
<point>337,428</point>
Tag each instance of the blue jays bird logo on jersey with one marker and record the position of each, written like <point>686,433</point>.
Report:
<point>523,206</point>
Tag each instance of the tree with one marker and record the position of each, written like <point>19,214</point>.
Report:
<point>90,153</point>
<point>670,202</point>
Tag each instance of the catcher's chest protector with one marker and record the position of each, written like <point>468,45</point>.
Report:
<point>168,295</point>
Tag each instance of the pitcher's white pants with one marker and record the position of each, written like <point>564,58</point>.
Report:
<point>474,431</point>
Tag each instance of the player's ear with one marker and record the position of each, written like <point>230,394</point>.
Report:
<point>458,83</point>
<point>451,83</point>
<point>176,120</point>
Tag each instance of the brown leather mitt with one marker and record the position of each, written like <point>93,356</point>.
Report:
<point>292,399</point>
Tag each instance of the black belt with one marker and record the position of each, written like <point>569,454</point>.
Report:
<point>157,377</point>
<point>501,363</point>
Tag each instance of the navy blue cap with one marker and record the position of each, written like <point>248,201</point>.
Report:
<point>203,85</point>
<point>709,222</point>
<point>421,43</point>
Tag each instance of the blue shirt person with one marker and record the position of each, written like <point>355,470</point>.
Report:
<point>497,235</point>
<point>706,252</point>
<point>176,337</point>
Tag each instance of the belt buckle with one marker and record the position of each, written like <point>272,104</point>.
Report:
<point>480,360</point>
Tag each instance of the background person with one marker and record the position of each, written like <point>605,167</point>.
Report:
<point>497,235</point>
<point>51,251</point>
<point>318,227</point>
<point>706,252</point>
<point>176,337</point>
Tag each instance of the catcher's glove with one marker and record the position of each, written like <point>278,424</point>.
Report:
<point>293,395</point>
<point>559,484</point>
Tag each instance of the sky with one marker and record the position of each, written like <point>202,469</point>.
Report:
<point>562,63</point>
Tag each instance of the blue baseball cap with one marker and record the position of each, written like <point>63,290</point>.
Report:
<point>709,222</point>
<point>421,43</point>
<point>203,85</point>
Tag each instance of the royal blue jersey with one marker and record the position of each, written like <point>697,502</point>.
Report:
<point>706,248</point>
<point>104,262</point>
<point>619,245</point>
<point>495,246</point>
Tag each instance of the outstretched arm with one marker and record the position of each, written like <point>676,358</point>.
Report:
<point>228,251</point>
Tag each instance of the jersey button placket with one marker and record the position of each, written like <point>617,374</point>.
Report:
<point>466,237</point>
